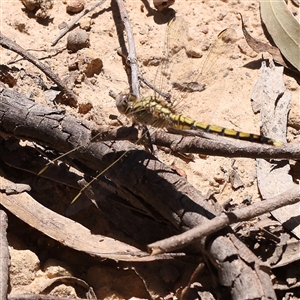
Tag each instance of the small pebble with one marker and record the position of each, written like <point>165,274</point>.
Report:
<point>75,6</point>
<point>77,40</point>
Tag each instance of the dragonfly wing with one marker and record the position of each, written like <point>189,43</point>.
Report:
<point>183,71</point>
<point>218,50</point>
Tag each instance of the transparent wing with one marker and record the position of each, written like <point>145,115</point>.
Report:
<point>218,49</point>
<point>192,77</point>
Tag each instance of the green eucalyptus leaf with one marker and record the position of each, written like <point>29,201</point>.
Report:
<point>283,28</point>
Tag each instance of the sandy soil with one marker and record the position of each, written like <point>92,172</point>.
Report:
<point>225,101</point>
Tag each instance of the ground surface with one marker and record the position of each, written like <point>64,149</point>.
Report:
<point>225,101</point>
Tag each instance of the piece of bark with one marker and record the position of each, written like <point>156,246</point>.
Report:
<point>273,176</point>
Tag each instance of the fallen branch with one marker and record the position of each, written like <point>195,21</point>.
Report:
<point>225,219</point>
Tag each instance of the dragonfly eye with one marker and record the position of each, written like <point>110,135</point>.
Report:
<point>122,103</point>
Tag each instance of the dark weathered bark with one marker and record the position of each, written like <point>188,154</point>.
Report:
<point>155,185</point>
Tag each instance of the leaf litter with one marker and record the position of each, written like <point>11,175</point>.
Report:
<point>87,216</point>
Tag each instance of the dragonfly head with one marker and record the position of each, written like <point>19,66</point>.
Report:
<point>122,103</point>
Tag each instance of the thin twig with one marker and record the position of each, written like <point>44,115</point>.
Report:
<point>72,24</point>
<point>149,84</point>
<point>55,52</point>
<point>131,59</point>
<point>153,87</point>
<point>193,279</point>
<point>10,45</point>
<point>4,256</point>
<point>221,146</point>
<point>224,220</point>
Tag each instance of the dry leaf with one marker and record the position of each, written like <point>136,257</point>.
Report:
<point>273,176</point>
<point>259,46</point>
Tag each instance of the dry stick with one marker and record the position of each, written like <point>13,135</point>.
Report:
<point>134,78</point>
<point>225,219</point>
<point>201,145</point>
<point>213,145</point>
<point>131,59</point>
<point>153,87</point>
<point>4,256</point>
<point>10,45</point>
<point>72,24</point>
<point>143,79</point>
<point>193,279</point>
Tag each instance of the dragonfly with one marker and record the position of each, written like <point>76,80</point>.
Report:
<point>161,112</point>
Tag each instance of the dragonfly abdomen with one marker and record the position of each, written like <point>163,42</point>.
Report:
<point>183,122</point>
<point>225,131</point>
